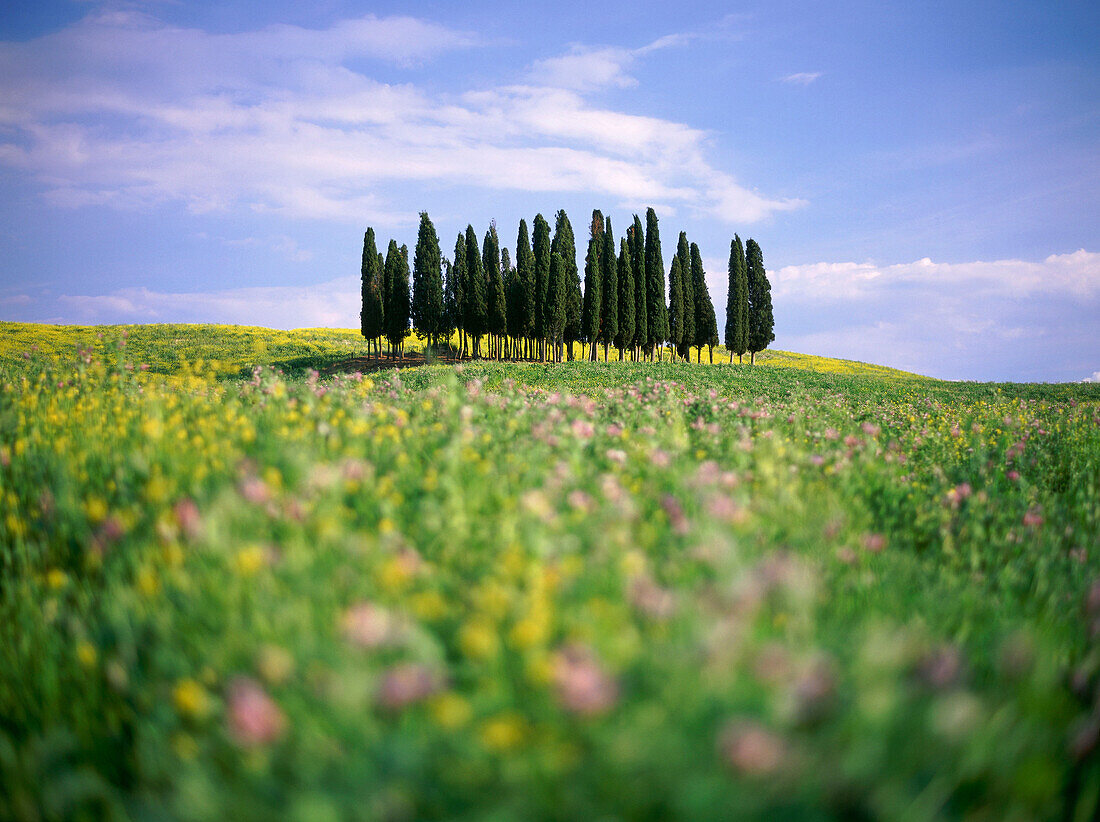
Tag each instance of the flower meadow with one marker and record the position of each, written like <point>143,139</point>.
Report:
<point>544,591</point>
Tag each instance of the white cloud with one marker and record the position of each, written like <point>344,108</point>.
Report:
<point>984,319</point>
<point>801,78</point>
<point>1094,378</point>
<point>124,111</point>
<point>331,304</point>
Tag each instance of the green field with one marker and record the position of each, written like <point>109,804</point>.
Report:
<point>498,591</point>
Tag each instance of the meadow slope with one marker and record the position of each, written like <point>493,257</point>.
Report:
<point>534,591</point>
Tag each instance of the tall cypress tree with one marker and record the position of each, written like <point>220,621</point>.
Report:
<point>565,246</point>
<point>495,320</point>
<point>625,338</point>
<point>641,301</point>
<point>450,303</point>
<point>554,322</point>
<point>687,339</point>
<point>427,292</point>
<point>761,321</point>
<point>590,320</point>
<point>397,308</point>
<point>656,310</point>
<point>460,277</point>
<point>525,270</point>
<point>609,289</point>
<point>706,325</point>
<point>512,296</point>
<point>541,248</point>
<point>676,304</point>
<point>373,310</point>
<point>737,302</point>
<point>476,297</point>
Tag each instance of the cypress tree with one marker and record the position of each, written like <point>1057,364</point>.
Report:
<point>397,308</point>
<point>565,246</point>
<point>625,338</point>
<point>495,320</point>
<point>737,302</point>
<point>525,271</point>
<point>476,297</point>
<point>427,292</point>
<point>609,289</point>
<point>687,323</point>
<point>590,320</point>
<point>761,321</point>
<point>450,303</point>
<point>676,304</point>
<point>513,323</point>
<point>641,301</point>
<point>554,322</point>
<point>706,325</point>
<point>656,311</point>
<point>460,277</point>
<point>540,242</point>
<point>373,310</point>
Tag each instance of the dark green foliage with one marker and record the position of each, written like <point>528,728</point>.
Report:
<point>761,321</point>
<point>496,322</point>
<point>590,321</point>
<point>565,246</point>
<point>460,275</point>
<point>427,288</point>
<point>373,310</point>
<point>687,338</point>
<point>397,307</point>
<point>476,309</point>
<point>656,310</point>
<point>554,321</point>
<point>737,301</point>
<point>541,248</point>
<point>513,297</point>
<point>641,301</point>
<point>609,288</point>
<point>625,336</point>
<point>450,302</point>
<point>676,303</point>
<point>706,324</point>
<point>525,272</point>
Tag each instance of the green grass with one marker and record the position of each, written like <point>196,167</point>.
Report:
<point>537,591</point>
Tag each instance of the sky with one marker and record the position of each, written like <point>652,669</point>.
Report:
<point>923,178</point>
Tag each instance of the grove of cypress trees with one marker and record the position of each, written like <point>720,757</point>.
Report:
<point>540,242</point>
<point>371,317</point>
<point>676,305</point>
<point>641,301</point>
<point>495,320</point>
<point>476,298</point>
<point>460,277</point>
<point>761,321</point>
<point>590,319</point>
<point>737,302</point>
<point>625,338</point>
<point>687,338</point>
<point>609,289</point>
<point>427,287</point>
<point>656,310</point>
<point>705,328</point>
<point>397,307</point>
<point>525,271</point>
<point>554,321</point>
<point>566,247</point>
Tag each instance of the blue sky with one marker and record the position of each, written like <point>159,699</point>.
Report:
<point>921,177</point>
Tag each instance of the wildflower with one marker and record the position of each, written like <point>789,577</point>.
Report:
<point>874,543</point>
<point>188,517</point>
<point>253,717</point>
<point>503,732</point>
<point>751,749</point>
<point>582,685</point>
<point>249,560</point>
<point>191,699</point>
<point>478,640</point>
<point>86,653</point>
<point>1033,518</point>
<point>651,599</point>
<point>405,684</point>
<point>450,710</point>
<point>370,626</point>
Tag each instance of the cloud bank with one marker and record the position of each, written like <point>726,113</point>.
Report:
<point>123,110</point>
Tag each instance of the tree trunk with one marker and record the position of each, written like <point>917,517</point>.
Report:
<point>752,358</point>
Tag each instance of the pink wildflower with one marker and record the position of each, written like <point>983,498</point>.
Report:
<point>254,718</point>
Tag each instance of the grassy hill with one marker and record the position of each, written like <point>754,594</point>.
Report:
<point>520,591</point>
